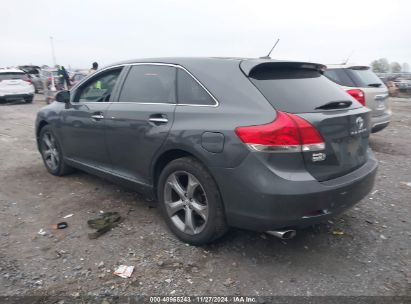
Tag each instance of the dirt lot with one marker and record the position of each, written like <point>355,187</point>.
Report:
<point>371,258</point>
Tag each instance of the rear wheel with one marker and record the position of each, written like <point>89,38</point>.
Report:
<point>190,202</point>
<point>51,153</point>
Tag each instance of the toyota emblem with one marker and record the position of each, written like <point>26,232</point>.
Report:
<point>360,123</point>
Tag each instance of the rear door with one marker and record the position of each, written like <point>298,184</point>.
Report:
<point>140,119</point>
<point>341,120</point>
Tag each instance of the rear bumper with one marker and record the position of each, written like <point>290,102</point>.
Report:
<point>380,122</point>
<point>16,96</point>
<point>256,198</point>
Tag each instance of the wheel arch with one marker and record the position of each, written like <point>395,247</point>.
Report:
<point>219,220</point>
<point>168,156</point>
<point>41,125</point>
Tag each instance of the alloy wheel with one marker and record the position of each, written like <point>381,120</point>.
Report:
<point>186,202</point>
<point>49,151</point>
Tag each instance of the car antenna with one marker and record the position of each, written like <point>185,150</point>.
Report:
<point>348,58</point>
<point>268,55</point>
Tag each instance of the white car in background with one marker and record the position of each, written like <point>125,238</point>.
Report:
<point>15,85</point>
<point>362,84</point>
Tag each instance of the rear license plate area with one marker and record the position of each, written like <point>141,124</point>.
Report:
<point>380,101</point>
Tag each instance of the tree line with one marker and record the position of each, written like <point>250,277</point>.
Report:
<point>382,65</point>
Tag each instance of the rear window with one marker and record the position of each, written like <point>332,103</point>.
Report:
<point>364,78</point>
<point>8,76</point>
<point>339,76</point>
<point>297,90</point>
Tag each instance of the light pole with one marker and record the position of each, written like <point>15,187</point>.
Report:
<point>53,54</point>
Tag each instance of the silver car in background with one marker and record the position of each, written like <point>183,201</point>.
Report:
<point>362,84</point>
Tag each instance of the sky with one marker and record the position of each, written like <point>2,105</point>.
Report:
<point>106,31</point>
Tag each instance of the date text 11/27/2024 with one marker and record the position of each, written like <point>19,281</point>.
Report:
<point>202,299</point>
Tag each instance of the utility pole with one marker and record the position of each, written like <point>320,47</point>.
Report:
<point>53,54</point>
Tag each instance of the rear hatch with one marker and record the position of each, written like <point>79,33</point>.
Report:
<point>301,89</point>
<point>14,83</point>
<point>375,91</point>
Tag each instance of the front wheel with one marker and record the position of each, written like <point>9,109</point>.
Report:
<point>190,202</point>
<point>51,153</point>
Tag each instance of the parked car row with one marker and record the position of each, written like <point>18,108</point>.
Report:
<point>402,83</point>
<point>399,85</point>
<point>36,79</point>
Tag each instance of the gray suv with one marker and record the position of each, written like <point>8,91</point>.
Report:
<point>219,142</point>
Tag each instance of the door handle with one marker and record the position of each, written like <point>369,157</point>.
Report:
<point>158,119</point>
<point>97,116</point>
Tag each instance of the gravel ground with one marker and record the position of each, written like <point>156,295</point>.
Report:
<point>372,258</point>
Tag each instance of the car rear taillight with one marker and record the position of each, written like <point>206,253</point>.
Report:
<point>358,95</point>
<point>287,133</point>
<point>28,80</point>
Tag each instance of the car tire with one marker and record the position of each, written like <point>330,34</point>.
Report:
<point>202,202</point>
<point>52,153</point>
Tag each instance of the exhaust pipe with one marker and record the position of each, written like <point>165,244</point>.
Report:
<point>283,234</point>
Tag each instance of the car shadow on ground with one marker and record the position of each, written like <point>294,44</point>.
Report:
<point>81,192</point>
<point>256,244</point>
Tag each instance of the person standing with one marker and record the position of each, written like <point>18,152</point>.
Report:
<point>93,68</point>
<point>63,77</point>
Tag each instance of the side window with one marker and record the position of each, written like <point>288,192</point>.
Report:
<point>339,76</point>
<point>189,91</point>
<point>149,84</point>
<point>99,88</point>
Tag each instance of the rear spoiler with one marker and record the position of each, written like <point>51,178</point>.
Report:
<point>252,65</point>
<point>359,67</point>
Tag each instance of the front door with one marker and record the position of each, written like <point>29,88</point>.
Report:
<point>140,118</point>
<point>84,120</point>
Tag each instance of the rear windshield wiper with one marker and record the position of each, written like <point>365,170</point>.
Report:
<point>375,85</point>
<point>334,105</point>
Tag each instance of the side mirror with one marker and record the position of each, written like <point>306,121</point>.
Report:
<point>62,96</point>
